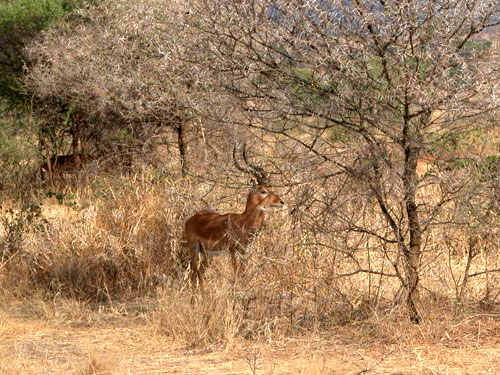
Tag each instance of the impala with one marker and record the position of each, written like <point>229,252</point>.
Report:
<point>208,233</point>
<point>58,165</point>
<point>425,165</point>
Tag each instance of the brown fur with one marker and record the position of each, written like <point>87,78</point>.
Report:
<point>424,165</point>
<point>208,231</point>
<point>61,164</point>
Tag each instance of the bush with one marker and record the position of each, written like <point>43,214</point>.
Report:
<point>21,20</point>
<point>18,154</point>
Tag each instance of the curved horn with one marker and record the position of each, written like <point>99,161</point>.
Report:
<point>256,171</point>
<point>238,166</point>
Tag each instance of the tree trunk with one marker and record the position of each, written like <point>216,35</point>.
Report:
<point>181,140</point>
<point>413,251</point>
<point>76,144</point>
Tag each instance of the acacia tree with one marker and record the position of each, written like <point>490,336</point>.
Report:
<point>367,86</point>
<point>117,71</point>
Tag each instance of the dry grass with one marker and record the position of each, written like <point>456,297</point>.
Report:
<point>110,242</point>
<point>97,285</point>
<point>117,239</point>
<point>470,346</point>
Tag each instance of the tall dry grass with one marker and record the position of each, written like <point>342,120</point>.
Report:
<point>112,238</point>
<point>118,240</point>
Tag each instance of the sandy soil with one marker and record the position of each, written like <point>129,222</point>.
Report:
<point>38,347</point>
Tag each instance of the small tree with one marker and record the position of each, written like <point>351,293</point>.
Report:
<point>368,87</point>
<point>120,67</point>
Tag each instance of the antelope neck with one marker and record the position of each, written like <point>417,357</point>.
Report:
<point>253,216</point>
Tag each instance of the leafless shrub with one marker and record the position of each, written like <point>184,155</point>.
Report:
<point>366,88</point>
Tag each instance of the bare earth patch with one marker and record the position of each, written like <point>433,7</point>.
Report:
<point>40,347</point>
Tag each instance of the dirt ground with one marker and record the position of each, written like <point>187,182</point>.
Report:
<point>29,346</point>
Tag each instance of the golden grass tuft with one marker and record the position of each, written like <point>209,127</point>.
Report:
<point>96,365</point>
<point>212,319</point>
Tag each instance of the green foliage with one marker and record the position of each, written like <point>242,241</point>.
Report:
<point>21,20</point>
<point>63,199</point>
<point>34,15</point>
<point>477,46</point>
<point>339,134</point>
<point>18,153</point>
<point>11,89</point>
<point>28,13</point>
<point>451,142</point>
<point>489,168</point>
<point>459,163</point>
<point>306,85</point>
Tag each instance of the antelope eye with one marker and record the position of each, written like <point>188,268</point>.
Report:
<point>263,192</point>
